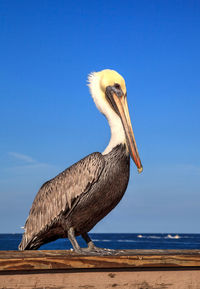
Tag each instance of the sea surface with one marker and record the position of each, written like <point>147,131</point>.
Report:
<point>115,241</point>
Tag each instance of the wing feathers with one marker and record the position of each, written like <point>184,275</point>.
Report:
<point>58,194</point>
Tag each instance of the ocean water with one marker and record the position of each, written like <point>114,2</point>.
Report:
<point>115,241</point>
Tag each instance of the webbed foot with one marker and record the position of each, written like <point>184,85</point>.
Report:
<point>93,250</point>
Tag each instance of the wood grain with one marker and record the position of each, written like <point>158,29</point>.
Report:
<point>62,259</point>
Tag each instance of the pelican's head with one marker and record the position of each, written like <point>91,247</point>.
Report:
<point>108,90</point>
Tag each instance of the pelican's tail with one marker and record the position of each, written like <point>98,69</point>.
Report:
<point>26,244</point>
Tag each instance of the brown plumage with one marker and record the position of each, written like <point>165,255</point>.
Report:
<point>75,200</point>
<point>78,202</point>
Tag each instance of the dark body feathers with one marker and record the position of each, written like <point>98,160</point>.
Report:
<point>79,197</point>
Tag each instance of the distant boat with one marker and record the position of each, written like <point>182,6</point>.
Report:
<point>139,236</point>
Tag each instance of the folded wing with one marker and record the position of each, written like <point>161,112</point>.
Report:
<point>57,196</point>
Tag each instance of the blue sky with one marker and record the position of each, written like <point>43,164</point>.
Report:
<point>48,119</point>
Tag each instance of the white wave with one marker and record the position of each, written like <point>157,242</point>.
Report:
<point>131,241</point>
<point>103,240</point>
<point>154,237</point>
<point>149,237</point>
<point>169,236</point>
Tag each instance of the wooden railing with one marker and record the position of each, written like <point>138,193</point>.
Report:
<point>140,269</point>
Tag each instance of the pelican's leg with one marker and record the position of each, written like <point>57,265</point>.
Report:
<point>71,237</point>
<point>95,250</point>
<point>91,245</point>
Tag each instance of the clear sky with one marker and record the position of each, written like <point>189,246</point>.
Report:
<point>48,119</point>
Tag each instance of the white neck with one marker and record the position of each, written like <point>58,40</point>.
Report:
<point>117,133</point>
<point>116,127</point>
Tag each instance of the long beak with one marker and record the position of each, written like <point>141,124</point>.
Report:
<point>122,106</point>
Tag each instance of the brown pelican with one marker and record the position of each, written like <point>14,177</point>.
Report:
<point>73,202</point>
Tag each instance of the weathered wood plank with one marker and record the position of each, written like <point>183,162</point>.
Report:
<point>130,269</point>
<point>45,260</point>
<point>103,280</point>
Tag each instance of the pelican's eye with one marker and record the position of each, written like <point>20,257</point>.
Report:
<point>118,90</point>
<point>117,86</point>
